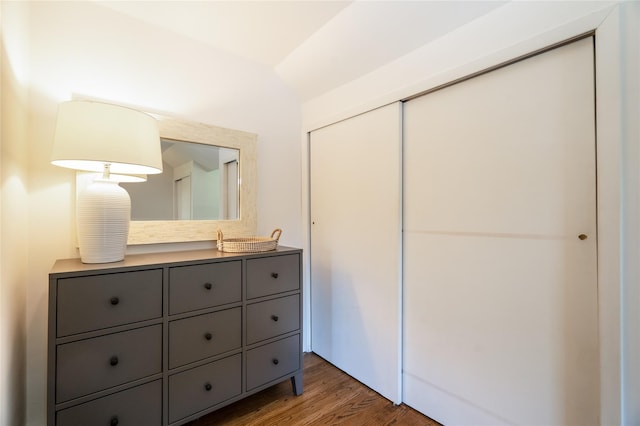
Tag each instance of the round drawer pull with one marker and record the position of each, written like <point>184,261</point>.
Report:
<point>274,275</point>
<point>208,286</point>
<point>208,336</point>
<point>208,387</point>
<point>275,361</point>
<point>275,317</point>
<point>114,360</point>
<point>114,421</point>
<point>114,301</point>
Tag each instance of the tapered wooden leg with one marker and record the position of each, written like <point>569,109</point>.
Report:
<point>296,383</point>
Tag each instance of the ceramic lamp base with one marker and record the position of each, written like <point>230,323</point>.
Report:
<point>104,210</point>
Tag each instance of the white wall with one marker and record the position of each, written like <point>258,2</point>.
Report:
<point>630,14</point>
<point>81,48</point>
<point>13,206</point>
<point>512,30</point>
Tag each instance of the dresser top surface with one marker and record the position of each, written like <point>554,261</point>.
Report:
<point>63,266</point>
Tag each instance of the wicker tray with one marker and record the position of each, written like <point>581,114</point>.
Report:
<point>249,244</point>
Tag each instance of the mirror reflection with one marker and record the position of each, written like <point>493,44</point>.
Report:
<point>198,182</point>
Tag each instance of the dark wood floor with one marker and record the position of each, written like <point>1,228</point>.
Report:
<point>330,397</point>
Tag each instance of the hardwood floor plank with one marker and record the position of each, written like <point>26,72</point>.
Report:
<point>331,397</point>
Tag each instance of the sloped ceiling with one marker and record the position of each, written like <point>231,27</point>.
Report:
<point>314,46</point>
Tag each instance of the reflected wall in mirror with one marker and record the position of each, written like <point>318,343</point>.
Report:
<point>244,145</point>
<point>198,182</point>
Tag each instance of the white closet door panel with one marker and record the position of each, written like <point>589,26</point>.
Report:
<point>508,151</point>
<point>355,247</point>
<point>500,309</point>
<point>502,329</point>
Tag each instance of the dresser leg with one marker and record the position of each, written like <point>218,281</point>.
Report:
<point>296,383</point>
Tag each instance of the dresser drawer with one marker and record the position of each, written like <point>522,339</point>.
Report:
<point>198,337</point>
<point>272,361</point>
<point>91,365</point>
<point>272,275</point>
<point>272,318</point>
<point>202,286</point>
<point>202,387</point>
<point>100,301</point>
<point>139,406</point>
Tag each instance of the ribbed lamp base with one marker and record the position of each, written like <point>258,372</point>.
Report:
<point>104,210</point>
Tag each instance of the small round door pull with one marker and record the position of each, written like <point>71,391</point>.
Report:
<point>114,421</point>
<point>275,317</point>
<point>114,361</point>
<point>275,361</point>
<point>115,300</point>
<point>274,275</point>
<point>582,237</point>
<point>208,336</point>
<point>208,387</point>
<point>208,286</point>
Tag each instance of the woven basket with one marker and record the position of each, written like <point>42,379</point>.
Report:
<point>249,244</point>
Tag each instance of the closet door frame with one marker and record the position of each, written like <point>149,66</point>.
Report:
<point>610,92</point>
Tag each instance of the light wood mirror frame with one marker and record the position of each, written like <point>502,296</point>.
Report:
<point>178,231</point>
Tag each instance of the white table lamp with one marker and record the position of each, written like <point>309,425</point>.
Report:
<point>119,142</point>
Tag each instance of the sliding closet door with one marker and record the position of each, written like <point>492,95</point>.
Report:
<point>355,247</point>
<point>500,246</point>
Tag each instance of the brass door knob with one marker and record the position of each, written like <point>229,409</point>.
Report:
<point>582,237</point>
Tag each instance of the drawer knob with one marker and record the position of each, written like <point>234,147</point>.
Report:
<point>274,317</point>
<point>114,421</point>
<point>114,360</point>
<point>208,387</point>
<point>274,275</point>
<point>208,336</point>
<point>275,361</point>
<point>208,286</point>
<point>115,301</point>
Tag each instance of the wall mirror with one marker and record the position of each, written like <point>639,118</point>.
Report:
<point>209,181</point>
<point>198,182</point>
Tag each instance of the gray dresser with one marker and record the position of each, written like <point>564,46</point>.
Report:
<point>162,339</point>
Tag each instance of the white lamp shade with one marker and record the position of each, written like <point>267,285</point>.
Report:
<point>91,134</point>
